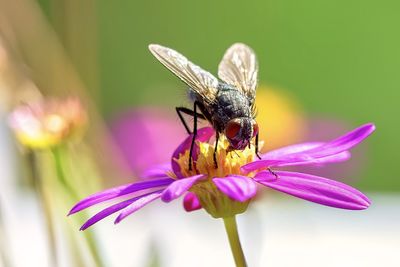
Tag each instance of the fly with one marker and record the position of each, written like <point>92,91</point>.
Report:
<point>228,104</point>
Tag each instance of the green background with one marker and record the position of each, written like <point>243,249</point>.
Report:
<point>339,58</point>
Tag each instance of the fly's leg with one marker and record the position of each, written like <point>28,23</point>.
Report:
<point>258,156</point>
<point>256,147</point>
<point>272,172</point>
<point>215,150</point>
<point>195,114</point>
<point>190,112</point>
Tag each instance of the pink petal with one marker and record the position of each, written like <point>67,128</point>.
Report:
<point>191,202</point>
<point>138,204</point>
<point>343,156</point>
<point>292,149</point>
<point>315,189</point>
<point>203,135</point>
<point>156,171</point>
<point>117,192</point>
<point>236,187</point>
<point>179,187</point>
<point>343,143</point>
<point>329,149</point>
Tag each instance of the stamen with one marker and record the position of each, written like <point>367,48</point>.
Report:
<point>228,162</point>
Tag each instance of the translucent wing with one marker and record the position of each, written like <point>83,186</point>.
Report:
<point>199,80</point>
<point>239,67</point>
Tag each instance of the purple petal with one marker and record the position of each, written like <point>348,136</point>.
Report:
<point>138,204</point>
<point>343,143</point>
<point>203,135</point>
<point>340,157</point>
<point>316,189</point>
<point>292,149</point>
<point>191,202</point>
<point>179,187</point>
<point>298,160</point>
<point>236,187</point>
<point>117,192</point>
<point>157,171</point>
<point>332,148</point>
<point>110,210</point>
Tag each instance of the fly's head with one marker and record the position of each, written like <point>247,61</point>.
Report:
<point>239,132</point>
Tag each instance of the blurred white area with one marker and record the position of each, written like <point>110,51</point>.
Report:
<point>276,231</point>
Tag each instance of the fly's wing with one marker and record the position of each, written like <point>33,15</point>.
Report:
<point>239,68</point>
<point>199,80</point>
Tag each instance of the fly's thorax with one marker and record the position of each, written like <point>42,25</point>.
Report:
<point>234,117</point>
<point>230,103</point>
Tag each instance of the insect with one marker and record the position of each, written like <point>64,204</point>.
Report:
<point>228,103</point>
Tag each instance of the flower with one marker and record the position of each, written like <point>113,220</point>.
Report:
<point>48,122</point>
<point>227,190</point>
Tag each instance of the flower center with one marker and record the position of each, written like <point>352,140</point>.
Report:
<point>212,200</point>
<point>203,159</point>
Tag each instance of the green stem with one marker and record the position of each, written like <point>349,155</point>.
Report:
<point>75,250</point>
<point>45,202</point>
<point>89,238</point>
<point>58,162</point>
<point>233,236</point>
<point>91,242</point>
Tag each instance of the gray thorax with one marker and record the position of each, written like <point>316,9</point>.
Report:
<point>230,103</point>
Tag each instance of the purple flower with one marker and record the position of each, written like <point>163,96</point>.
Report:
<point>226,191</point>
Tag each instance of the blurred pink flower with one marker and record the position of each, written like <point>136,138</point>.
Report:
<point>146,136</point>
<point>48,122</point>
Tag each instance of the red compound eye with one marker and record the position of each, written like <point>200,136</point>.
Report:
<point>232,129</point>
<point>255,129</point>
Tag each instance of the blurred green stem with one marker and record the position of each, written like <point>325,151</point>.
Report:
<point>233,236</point>
<point>59,155</point>
<point>58,163</point>
<point>45,201</point>
<point>75,250</point>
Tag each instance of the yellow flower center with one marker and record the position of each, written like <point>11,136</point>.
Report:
<point>212,200</point>
<point>228,162</point>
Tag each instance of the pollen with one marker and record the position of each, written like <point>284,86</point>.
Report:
<point>228,162</point>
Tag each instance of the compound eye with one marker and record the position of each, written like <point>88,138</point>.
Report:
<point>232,129</point>
<point>255,129</point>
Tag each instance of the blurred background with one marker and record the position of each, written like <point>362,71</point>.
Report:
<point>326,67</point>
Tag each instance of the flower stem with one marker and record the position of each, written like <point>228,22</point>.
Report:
<point>45,202</point>
<point>233,236</point>
<point>89,238</point>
